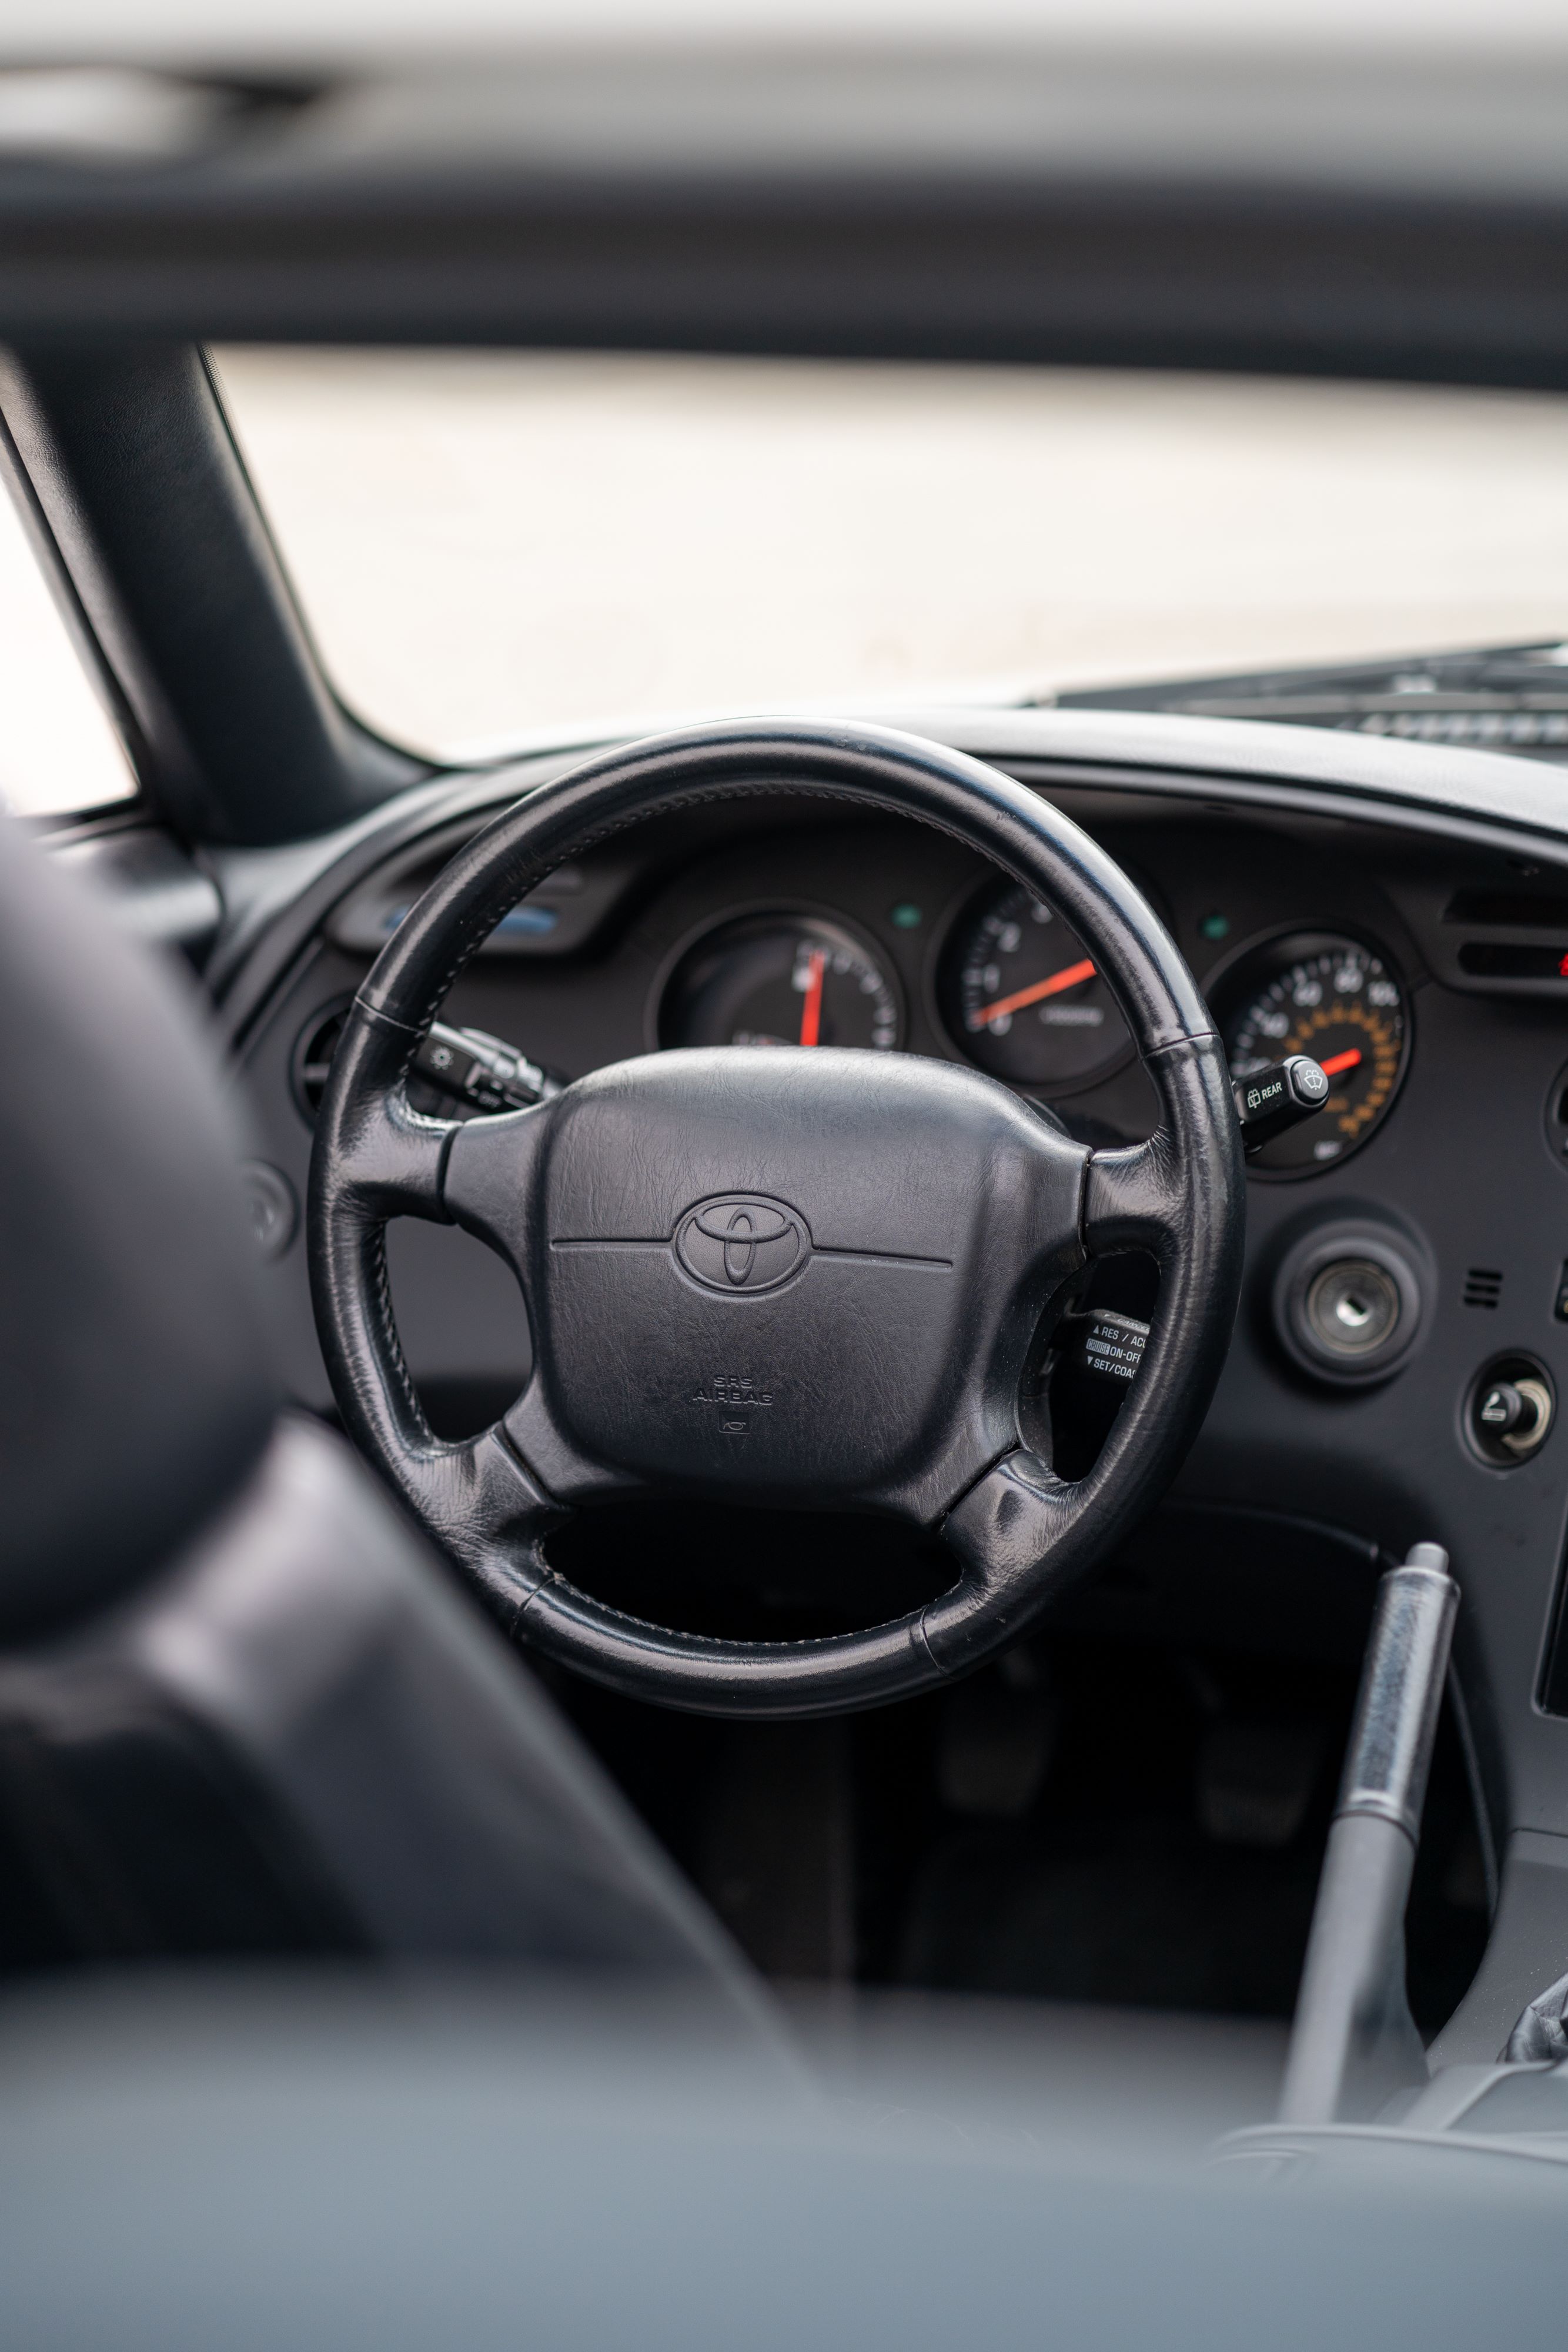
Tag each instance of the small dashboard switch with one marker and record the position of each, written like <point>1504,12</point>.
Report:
<point>1511,1410</point>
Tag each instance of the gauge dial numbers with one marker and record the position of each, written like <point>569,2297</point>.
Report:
<point>1317,993</point>
<point>780,980</point>
<point>1021,997</point>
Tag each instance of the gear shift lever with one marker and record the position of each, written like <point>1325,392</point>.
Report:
<point>1353,2041</point>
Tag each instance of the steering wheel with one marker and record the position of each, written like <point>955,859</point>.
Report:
<point>782,1278</point>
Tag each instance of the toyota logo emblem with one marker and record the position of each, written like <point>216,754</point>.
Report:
<point>741,1243</point>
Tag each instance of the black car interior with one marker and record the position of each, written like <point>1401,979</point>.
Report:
<point>1183,1647</point>
<point>659,1392</point>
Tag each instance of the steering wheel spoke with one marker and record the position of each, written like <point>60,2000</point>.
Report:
<point>489,1513</point>
<point>393,1162</point>
<point>1132,1199</point>
<point>386,1158</point>
<point>1013,1533</point>
<point>488,1177</point>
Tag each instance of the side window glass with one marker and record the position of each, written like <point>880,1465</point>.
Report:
<point>59,751</point>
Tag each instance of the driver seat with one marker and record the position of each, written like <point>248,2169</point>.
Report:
<point>244,1711</point>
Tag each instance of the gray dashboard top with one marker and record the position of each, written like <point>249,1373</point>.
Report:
<point>282,895</point>
<point>1485,795</point>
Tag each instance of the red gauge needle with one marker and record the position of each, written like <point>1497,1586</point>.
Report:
<point>812,1010</point>
<point>1069,977</point>
<point>1337,1063</point>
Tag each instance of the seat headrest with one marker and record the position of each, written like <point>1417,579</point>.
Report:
<point>136,1387</point>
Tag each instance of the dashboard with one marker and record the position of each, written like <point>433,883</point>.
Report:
<point>1407,1246</point>
<point>878,938</point>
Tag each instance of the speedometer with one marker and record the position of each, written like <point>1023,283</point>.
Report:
<point>1335,997</point>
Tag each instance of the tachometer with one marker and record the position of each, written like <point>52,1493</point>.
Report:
<point>780,980</point>
<point>1021,995</point>
<point>1317,992</point>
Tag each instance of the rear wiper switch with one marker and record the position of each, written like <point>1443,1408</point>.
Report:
<point>1272,1100</point>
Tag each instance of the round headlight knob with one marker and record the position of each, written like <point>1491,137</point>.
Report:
<point>1509,1411</point>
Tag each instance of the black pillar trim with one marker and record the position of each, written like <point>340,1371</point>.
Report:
<point>232,727</point>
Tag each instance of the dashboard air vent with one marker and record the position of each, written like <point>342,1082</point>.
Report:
<point>313,1058</point>
<point>1483,1286</point>
<point>1527,910</point>
<point>1502,959</point>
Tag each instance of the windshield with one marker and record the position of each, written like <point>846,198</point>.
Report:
<point>488,545</point>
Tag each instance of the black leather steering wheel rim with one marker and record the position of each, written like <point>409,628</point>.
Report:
<point>1018,1533</point>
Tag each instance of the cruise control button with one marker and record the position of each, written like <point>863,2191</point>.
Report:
<point>1113,1345</point>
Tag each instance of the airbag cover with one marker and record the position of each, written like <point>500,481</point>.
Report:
<point>784,1271</point>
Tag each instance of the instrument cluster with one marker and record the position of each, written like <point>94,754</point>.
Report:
<point>1017,993</point>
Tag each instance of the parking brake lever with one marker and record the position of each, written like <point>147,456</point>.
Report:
<point>1270,1101</point>
<point>1353,2042</point>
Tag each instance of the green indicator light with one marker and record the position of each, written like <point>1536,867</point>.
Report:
<point>906,918</point>
<point>1215,927</point>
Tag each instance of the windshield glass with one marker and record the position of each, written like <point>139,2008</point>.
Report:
<point>488,545</point>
